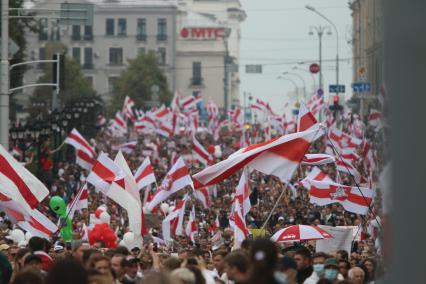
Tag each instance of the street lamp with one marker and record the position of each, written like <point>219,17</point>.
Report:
<point>306,71</point>
<point>337,39</point>
<point>320,32</point>
<point>301,78</point>
<point>291,81</point>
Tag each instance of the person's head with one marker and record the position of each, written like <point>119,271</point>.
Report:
<point>356,275</point>
<point>342,255</point>
<point>116,264</point>
<point>318,262</point>
<point>287,266</point>
<point>199,278</point>
<point>218,260</point>
<point>130,266</point>
<point>67,271</point>
<point>88,253</point>
<point>171,263</point>
<point>28,276</point>
<point>100,263</point>
<point>33,262</point>
<point>344,267</point>
<point>182,276</point>
<point>78,248</point>
<point>5,269</point>
<point>236,266</point>
<point>303,258</point>
<point>37,244</point>
<point>331,269</point>
<point>370,264</point>
<point>263,257</point>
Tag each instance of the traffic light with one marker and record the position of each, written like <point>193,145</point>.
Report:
<point>336,106</point>
<point>58,70</point>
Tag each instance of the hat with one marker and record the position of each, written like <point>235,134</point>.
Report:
<point>330,262</point>
<point>4,247</point>
<point>280,218</point>
<point>287,263</point>
<point>58,248</point>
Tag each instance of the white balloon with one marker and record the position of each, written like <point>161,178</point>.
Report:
<point>129,238</point>
<point>171,208</point>
<point>164,207</point>
<point>28,236</point>
<point>105,217</point>
<point>146,210</point>
<point>122,244</point>
<point>217,151</point>
<point>17,236</point>
<point>103,207</point>
<point>22,243</point>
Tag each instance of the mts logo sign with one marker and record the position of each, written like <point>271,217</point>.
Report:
<point>202,33</point>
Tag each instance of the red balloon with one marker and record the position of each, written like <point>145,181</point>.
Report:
<point>210,149</point>
<point>98,212</point>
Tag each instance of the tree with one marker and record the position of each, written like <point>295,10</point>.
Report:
<point>136,82</point>
<point>76,85</point>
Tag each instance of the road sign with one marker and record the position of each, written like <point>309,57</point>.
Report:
<point>254,69</point>
<point>336,88</point>
<point>320,92</point>
<point>314,68</point>
<point>13,48</point>
<point>361,87</point>
<point>76,14</point>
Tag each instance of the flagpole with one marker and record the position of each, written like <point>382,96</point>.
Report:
<point>275,205</point>
<point>71,206</point>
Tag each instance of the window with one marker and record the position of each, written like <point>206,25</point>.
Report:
<point>76,33</point>
<point>111,83</point>
<point>122,27</point>
<point>88,32</point>
<point>162,29</point>
<point>43,29</point>
<point>141,51</point>
<point>76,54</point>
<point>116,56</point>
<point>55,32</point>
<point>161,56</point>
<point>88,58</point>
<point>141,30</point>
<point>109,27</point>
<point>196,73</point>
<point>41,56</point>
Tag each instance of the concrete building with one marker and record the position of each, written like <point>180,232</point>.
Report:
<point>367,42</point>
<point>120,31</point>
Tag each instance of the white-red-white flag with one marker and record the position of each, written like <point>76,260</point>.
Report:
<point>202,194</point>
<point>241,231</point>
<point>79,202</point>
<point>85,153</point>
<point>127,109</point>
<point>352,198</point>
<point>345,166</point>
<point>278,157</point>
<point>119,123</point>
<point>104,173</point>
<point>243,192</point>
<point>84,160</point>
<point>176,179</point>
<point>200,153</point>
<point>315,174</point>
<point>127,147</point>
<point>19,184</point>
<point>305,119</point>
<point>317,159</point>
<point>144,176</point>
<point>173,223</point>
<point>191,227</point>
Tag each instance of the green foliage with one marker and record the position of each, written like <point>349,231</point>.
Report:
<point>136,82</point>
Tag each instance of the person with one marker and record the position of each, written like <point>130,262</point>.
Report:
<point>219,264</point>
<point>343,268</point>
<point>236,266</point>
<point>38,246</point>
<point>5,269</point>
<point>356,275</point>
<point>264,260</point>
<point>199,278</point>
<point>370,265</point>
<point>102,264</point>
<point>116,260</point>
<point>33,262</point>
<point>78,247</point>
<point>305,270</point>
<point>182,276</point>
<point>28,276</point>
<point>130,267</point>
<point>331,270</point>
<point>67,271</point>
<point>318,261</point>
<point>342,255</point>
<point>287,271</point>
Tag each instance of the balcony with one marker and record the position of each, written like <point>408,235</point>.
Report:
<point>196,81</point>
<point>161,37</point>
<point>141,37</point>
<point>75,37</point>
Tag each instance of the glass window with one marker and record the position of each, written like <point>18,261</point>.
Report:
<point>76,54</point>
<point>162,29</point>
<point>122,27</point>
<point>76,32</point>
<point>55,34</point>
<point>161,55</point>
<point>41,56</point>
<point>88,32</point>
<point>43,29</point>
<point>196,73</point>
<point>141,29</point>
<point>88,58</point>
<point>116,56</point>
<point>109,27</point>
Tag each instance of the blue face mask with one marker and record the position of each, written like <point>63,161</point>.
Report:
<point>281,277</point>
<point>330,274</point>
<point>319,268</point>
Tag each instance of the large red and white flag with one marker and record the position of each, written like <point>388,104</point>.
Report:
<point>119,123</point>
<point>242,193</point>
<point>241,231</point>
<point>375,119</point>
<point>278,157</point>
<point>127,109</point>
<point>353,199</point>
<point>104,173</point>
<point>144,176</point>
<point>79,202</point>
<point>19,184</point>
<point>84,151</point>
<point>345,166</point>
<point>317,159</point>
<point>200,153</point>
<point>305,119</point>
<point>162,113</point>
<point>315,174</point>
<point>127,147</point>
<point>173,223</point>
<point>191,227</point>
<point>202,194</point>
<point>165,129</point>
<point>84,160</point>
<point>176,179</point>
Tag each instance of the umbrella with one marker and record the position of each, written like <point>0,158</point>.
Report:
<point>300,233</point>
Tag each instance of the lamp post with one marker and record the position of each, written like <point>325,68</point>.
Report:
<point>294,84</point>
<point>306,71</point>
<point>320,32</point>
<point>301,78</point>
<point>337,40</point>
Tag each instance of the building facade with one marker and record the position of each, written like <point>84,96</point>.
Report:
<point>120,31</point>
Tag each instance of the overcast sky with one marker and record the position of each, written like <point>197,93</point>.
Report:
<point>276,35</point>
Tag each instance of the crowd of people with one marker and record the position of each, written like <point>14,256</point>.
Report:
<point>212,256</point>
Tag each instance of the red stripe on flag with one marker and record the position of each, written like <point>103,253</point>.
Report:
<point>10,173</point>
<point>82,142</point>
<point>103,172</point>
<point>306,121</point>
<point>147,171</point>
<point>38,226</point>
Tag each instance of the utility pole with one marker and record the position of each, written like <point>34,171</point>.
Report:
<point>320,32</point>
<point>4,81</point>
<point>226,78</point>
